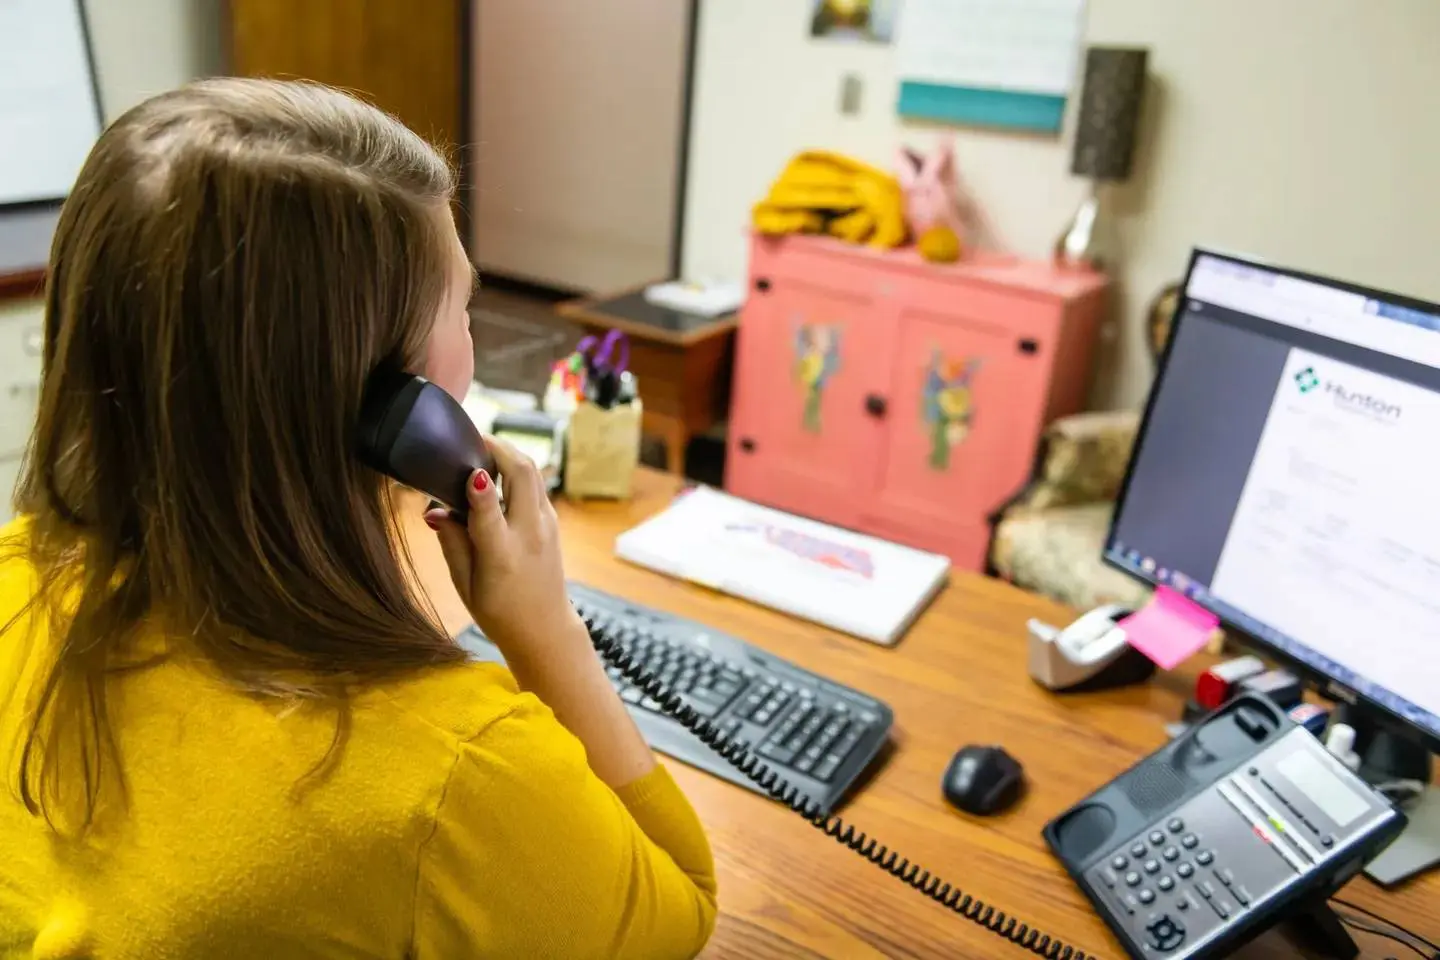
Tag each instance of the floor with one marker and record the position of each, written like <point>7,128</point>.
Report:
<point>517,338</point>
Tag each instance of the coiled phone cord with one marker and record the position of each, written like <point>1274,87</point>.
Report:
<point>758,772</point>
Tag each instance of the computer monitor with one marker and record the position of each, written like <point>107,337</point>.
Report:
<point>1286,477</point>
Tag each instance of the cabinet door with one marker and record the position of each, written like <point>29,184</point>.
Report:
<point>966,404</point>
<point>808,359</point>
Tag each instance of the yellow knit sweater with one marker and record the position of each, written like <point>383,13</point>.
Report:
<point>461,820</point>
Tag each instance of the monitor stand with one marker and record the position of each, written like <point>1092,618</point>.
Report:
<point>1386,758</point>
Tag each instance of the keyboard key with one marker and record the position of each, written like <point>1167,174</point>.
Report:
<point>806,763</point>
<point>1146,896</point>
<point>1166,884</point>
<point>1185,871</point>
<point>752,702</point>
<point>847,743</point>
<point>1120,862</point>
<point>1152,866</point>
<point>1204,858</point>
<point>1132,879</point>
<point>705,708</point>
<point>1170,854</point>
<point>1175,825</point>
<point>1189,841</point>
<point>807,729</point>
<point>1156,837</point>
<point>726,688</point>
<point>777,752</point>
<point>716,698</point>
<point>631,695</point>
<point>826,768</point>
<point>650,703</point>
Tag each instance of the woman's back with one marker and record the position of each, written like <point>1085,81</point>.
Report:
<point>459,820</point>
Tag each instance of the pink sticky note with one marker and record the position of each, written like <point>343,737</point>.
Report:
<point>1170,628</point>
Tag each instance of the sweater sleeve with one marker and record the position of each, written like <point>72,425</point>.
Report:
<point>533,856</point>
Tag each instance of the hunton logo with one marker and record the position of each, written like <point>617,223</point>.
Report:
<point>1354,401</point>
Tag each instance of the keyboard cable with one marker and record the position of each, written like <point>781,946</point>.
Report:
<point>758,772</point>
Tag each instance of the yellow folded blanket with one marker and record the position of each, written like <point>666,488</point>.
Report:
<point>824,192</point>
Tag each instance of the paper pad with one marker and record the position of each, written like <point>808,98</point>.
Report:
<point>1169,628</point>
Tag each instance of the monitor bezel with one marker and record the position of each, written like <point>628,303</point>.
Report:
<point>1329,686</point>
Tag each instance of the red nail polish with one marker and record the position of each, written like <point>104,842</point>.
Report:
<point>482,480</point>
<point>431,524</point>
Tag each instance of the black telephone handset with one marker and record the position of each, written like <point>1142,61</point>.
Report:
<point>418,434</point>
<point>414,431</point>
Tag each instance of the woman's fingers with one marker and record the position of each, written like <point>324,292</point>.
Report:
<point>486,522</point>
<point>455,545</point>
<point>524,491</point>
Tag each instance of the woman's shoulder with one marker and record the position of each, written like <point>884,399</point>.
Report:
<point>456,701</point>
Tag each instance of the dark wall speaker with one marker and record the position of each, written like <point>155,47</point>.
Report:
<point>1109,112</point>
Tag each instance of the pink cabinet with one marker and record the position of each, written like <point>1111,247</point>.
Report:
<point>877,392</point>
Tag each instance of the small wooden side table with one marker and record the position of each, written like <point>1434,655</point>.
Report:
<point>681,362</point>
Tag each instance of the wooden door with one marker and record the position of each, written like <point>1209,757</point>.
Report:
<point>809,356</point>
<point>406,57</point>
<point>966,401</point>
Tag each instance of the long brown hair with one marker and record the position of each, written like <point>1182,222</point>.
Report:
<point>235,259</point>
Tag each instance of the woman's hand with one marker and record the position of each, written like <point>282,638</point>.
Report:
<point>506,565</point>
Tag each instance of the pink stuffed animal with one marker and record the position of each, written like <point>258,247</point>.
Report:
<point>931,195</point>
<point>941,215</point>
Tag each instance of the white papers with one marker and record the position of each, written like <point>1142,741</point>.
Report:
<point>859,585</point>
<point>1023,46</point>
<point>48,113</point>
<point>703,298</point>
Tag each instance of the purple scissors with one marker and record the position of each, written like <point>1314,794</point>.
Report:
<point>600,359</point>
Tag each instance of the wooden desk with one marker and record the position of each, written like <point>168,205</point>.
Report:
<point>681,363</point>
<point>958,677</point>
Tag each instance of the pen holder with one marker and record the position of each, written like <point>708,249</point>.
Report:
<point>602,447</point>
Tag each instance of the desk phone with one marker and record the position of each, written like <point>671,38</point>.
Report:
<point>1243,822</point>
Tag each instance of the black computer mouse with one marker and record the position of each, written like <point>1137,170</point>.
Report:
<point>982,780</point>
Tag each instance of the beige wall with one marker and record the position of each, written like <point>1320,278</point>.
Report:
<point>1303,131</point>
<point>140,47</point>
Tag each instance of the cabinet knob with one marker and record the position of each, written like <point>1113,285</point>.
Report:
<point>762,284</point>
<point>747,445</point>
<point>1028,346</point>
<point>875,405</point>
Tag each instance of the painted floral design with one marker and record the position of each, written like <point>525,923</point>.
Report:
<point>948,408</point>
<point>817,357</point>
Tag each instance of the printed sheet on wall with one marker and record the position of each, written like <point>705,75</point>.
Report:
<point>991,63</point>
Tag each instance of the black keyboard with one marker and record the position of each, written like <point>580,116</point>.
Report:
<point>819,735</point>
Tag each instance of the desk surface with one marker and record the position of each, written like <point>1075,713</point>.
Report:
<point>632,313</point>
<point>958,677</point>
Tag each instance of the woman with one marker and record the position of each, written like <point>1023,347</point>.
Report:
<point>235,719</point>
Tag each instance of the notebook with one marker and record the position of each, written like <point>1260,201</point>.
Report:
<point>860,585</point>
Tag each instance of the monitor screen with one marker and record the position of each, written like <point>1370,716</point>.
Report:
<point>1287,477</point>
